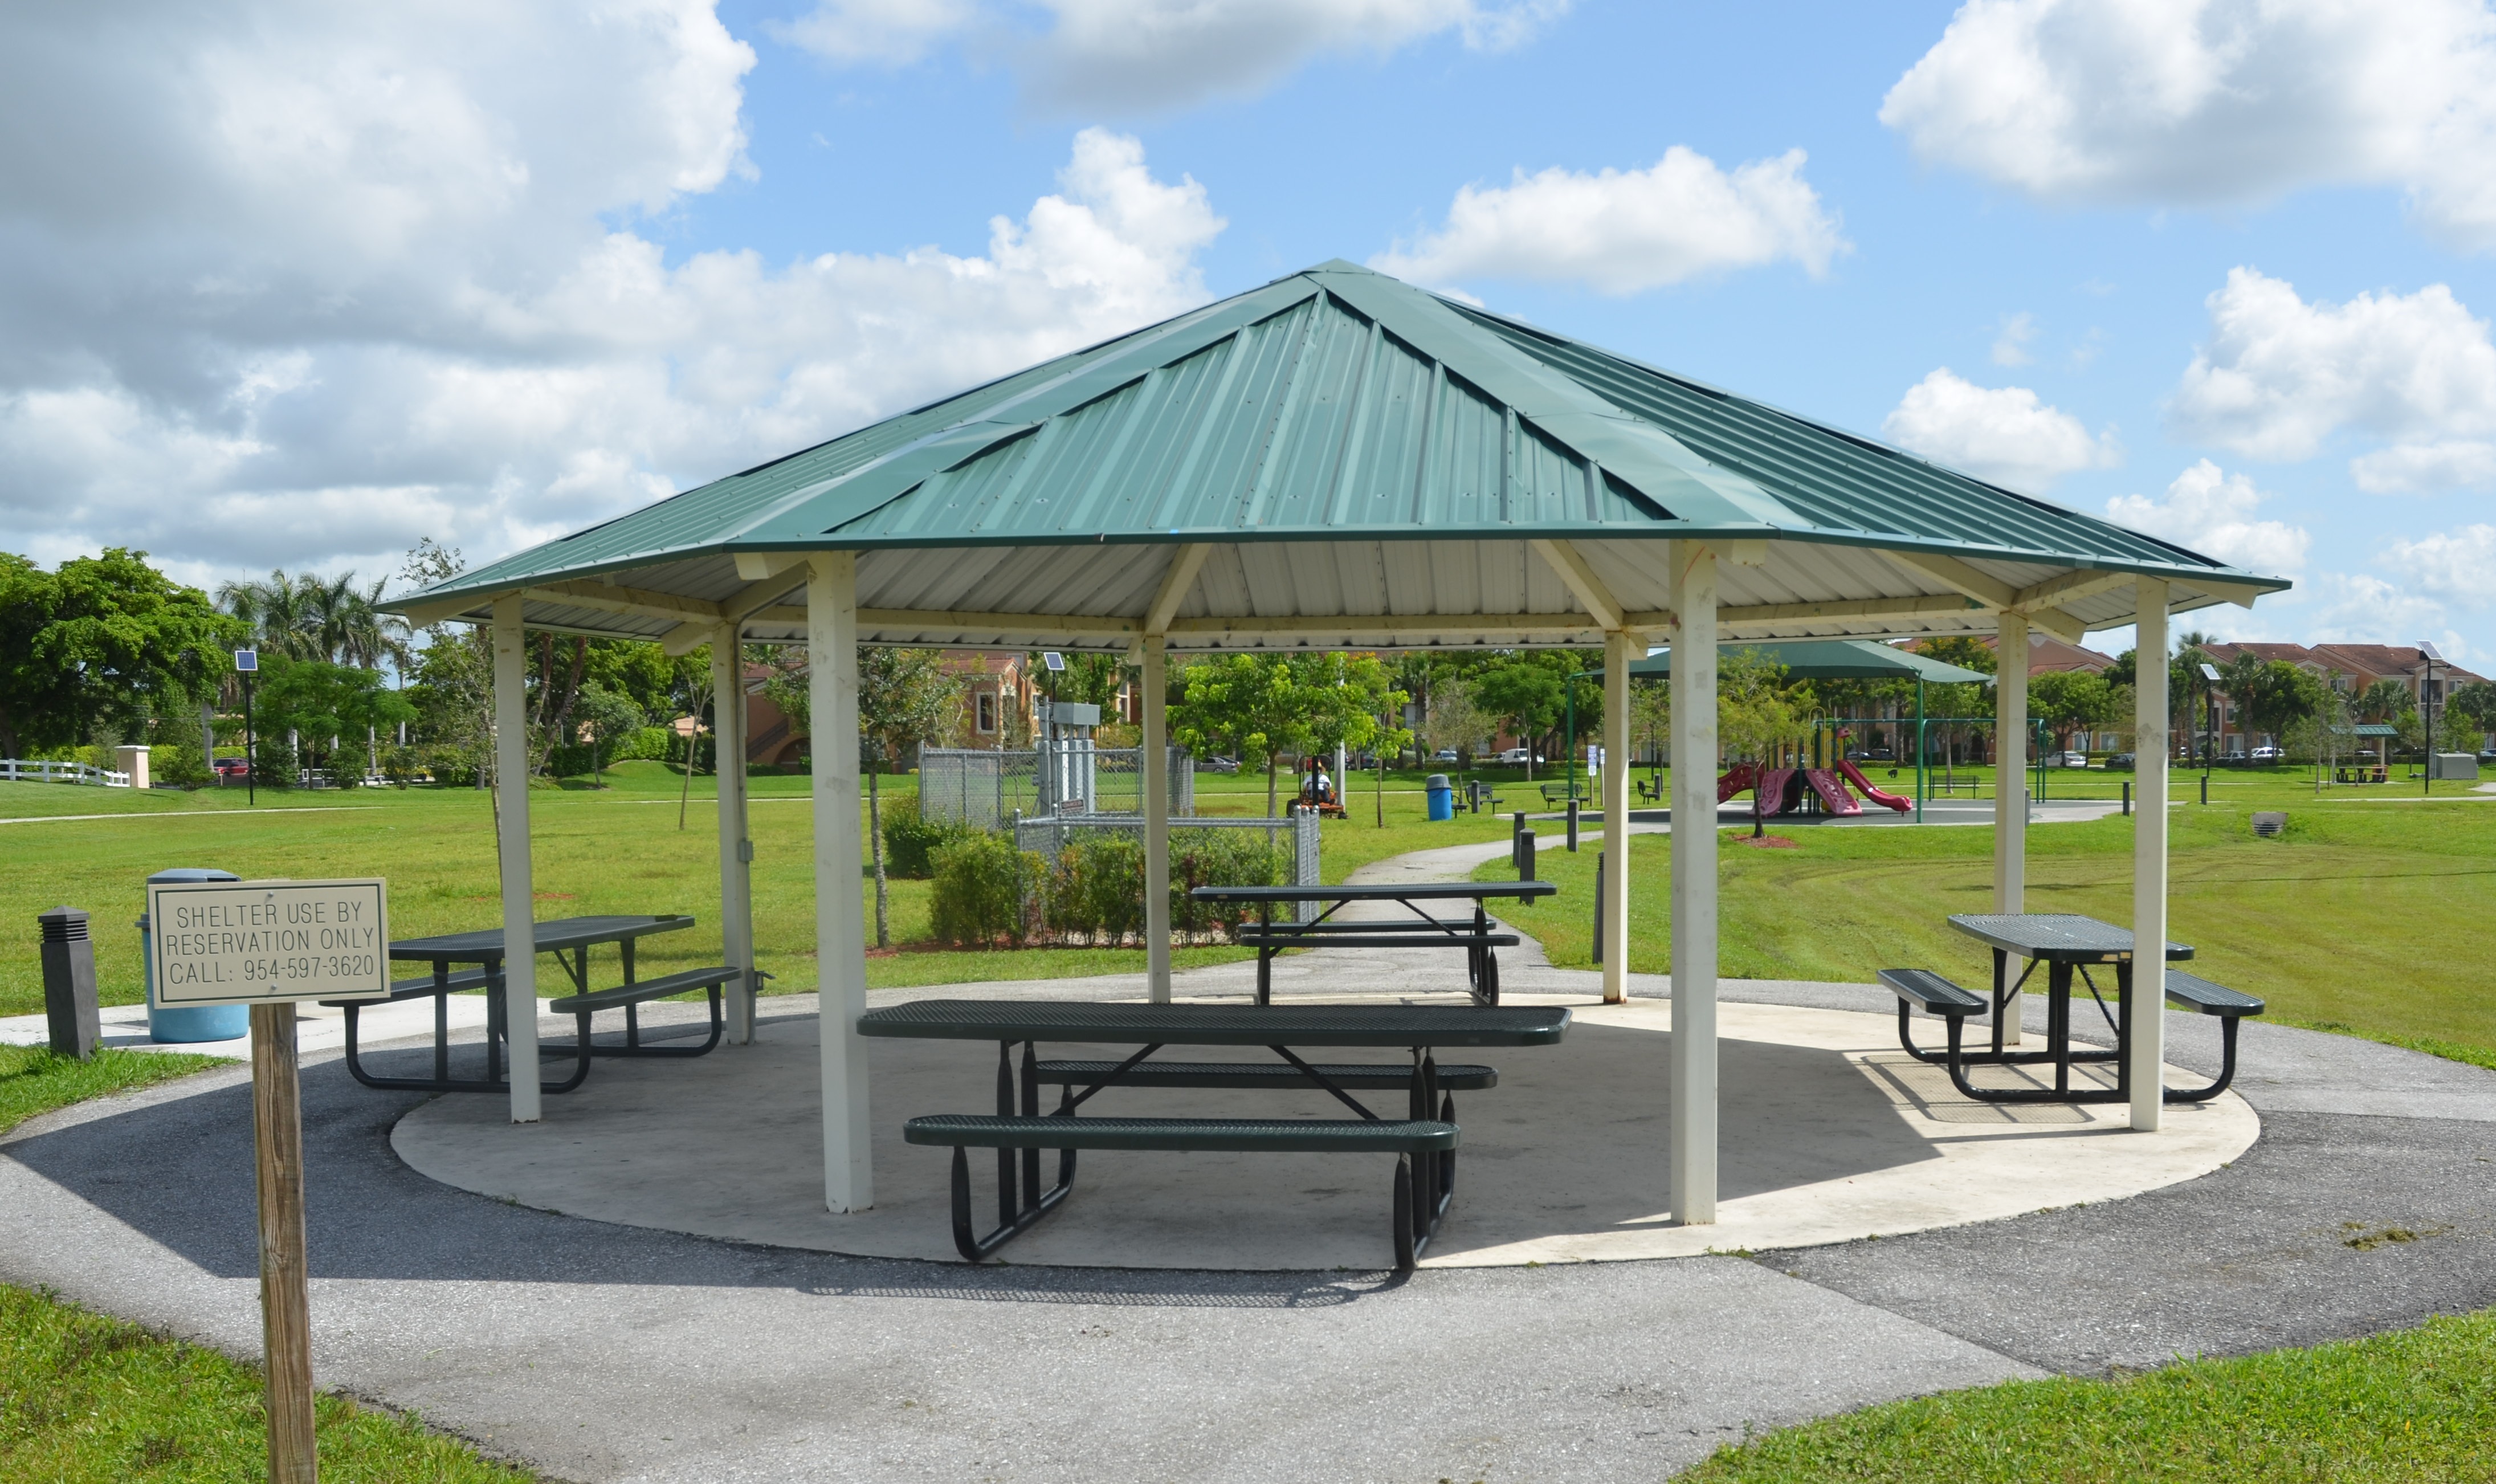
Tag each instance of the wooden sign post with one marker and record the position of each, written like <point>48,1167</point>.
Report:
<point>269,944</point>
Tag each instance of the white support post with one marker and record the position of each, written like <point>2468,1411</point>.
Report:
<point>1694,884</point>
<point>2010,765</point>
<point>1618,654</point>
<point>512,844</point>
<point>840,917</point>
<point>735,842</point>
<point>1156,767</point>
<point>2152,754</point>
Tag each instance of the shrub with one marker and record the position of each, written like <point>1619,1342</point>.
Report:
<point>985,890</point>
<point>178,763</point>
<point>1218,858</point>
<point>910,843</point>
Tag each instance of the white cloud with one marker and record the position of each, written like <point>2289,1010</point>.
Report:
<point>2213,512</point>
<point>2457,566</point>
<point>1624,230</point>
<point>2011,346</point>
<point>2205,102</point>
<point>1128,54</point>
<point>2279,376</point>
<point>2456,463</point>
<point>2003,434</point>
<point>891,32</point>
<point>327,280</point>
<point>2359,607</point>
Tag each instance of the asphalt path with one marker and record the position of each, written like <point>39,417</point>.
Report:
<point>600,1352</point>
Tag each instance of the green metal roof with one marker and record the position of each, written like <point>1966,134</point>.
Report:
<point>1339,418</point>
<point>1833,659</point>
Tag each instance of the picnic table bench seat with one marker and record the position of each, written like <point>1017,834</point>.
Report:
<point>1407,1139</point>
<point>1277,1076</point>
<point>403,990</point>
<point>628,997</point>
<point>1921,988</point>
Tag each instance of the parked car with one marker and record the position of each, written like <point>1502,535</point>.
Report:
<point>2268,756</point>
<point>1219,764</point>
<point>2067,760</point>
<point>1444,755</point>
<point>1517,757</point>
<point>2121,762</point>
<point>230,767</point>
<point>1872,755</point>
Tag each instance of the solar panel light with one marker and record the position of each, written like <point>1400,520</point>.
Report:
<point>246,660</point>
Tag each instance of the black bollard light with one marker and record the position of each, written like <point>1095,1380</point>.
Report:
<point>68,983</point>
<point>1572,826</point>
<point>1525,862</point>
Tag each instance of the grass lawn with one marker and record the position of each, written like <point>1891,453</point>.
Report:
<point>34,1080</point>
<point>612,849</point>
<point>2415,1405</point>
<point>2367,915</point>
<point>89,1400</point>
<point>85,1397</point>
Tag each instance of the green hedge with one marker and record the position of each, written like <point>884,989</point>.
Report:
<point>986,892</point>
<point>573,759</point>
<point>911,843</point>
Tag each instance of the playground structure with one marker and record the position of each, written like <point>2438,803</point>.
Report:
<point>1807,790</point>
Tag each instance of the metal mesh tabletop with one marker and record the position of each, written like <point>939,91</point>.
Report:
<point>557,933</point>
<point>2064,935</point>
<point>1420,891</point>
<point>1401,1025</point>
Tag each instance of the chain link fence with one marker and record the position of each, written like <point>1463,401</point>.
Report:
<point>987,790</point>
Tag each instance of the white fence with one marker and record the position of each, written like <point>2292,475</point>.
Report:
<point>20,771</point>
<point>1048,835</point>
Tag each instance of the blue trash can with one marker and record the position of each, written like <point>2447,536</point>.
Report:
<point>1442,796</point>
<point>188,1023</point>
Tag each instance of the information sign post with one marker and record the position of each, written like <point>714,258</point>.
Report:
<point>269,944</point>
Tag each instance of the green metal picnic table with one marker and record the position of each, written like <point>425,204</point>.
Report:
<point>1473,934</point>
<point>1018,1125</point>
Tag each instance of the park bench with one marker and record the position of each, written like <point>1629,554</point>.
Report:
<point>1649,789</point>
<point>630,997</point>
<point>1922,989</point>
<point>2192,991</point>
<point>1556,794</point>
<point>1415,1217</point>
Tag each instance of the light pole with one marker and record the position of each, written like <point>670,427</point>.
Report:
<point>2209,724</point>
<point>247,664</point>
<point>2426,714</point>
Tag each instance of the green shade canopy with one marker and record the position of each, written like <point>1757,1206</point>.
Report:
<point>1338,459</point>
<point>1831,659</point>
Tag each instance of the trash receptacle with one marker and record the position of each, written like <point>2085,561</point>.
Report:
<point>1442,796</point>
<point>188,1023</point>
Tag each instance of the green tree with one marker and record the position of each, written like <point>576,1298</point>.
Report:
<point>607,715</point>
<point>322,703</point>
<point>2473,704</point>
<point>2069,700</point>
<point>1525,693</point>
<point>2270,694</point>
<point>1246,704</point>
<point>1759,712</point>
<point>102,642</point>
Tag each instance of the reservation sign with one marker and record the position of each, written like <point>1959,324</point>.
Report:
<point>253,943</point>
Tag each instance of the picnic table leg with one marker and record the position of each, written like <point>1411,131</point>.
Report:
<point>494,1018</point>
<point>1265,956</point>
<point>2001,993</point>
<point>2058,1022</point>
<point>632,1013</point>
<point>1008,1207</point>
<point>1031,1110</point>
<point>441,1018</point>
<point>2123,1028</point>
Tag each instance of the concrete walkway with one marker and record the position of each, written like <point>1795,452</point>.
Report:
<point>603,1352</point>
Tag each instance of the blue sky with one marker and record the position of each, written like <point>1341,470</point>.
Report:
<point>2224,266</point>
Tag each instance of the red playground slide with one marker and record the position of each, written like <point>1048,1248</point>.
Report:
<point>1880,797</point>
<point>1739,780</point>
<point>1832,792</point>
<point>1770,795</point>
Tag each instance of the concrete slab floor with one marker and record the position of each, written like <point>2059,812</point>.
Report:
<point>1830,1133</point>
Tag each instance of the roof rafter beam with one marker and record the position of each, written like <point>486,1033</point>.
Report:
<point>1592,592</point>
<point>613,598</point>
<point>1176,584</point>
<point>2069,587</point>
<point>1952,573</point>
<point>910,620</point>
